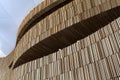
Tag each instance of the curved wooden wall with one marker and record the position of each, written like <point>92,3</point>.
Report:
<point>67,40</point>
<point>38,14</point>
<point>40,33</point>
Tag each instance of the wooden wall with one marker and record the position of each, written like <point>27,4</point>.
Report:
<point>55,23</point>
<point>95,56</point>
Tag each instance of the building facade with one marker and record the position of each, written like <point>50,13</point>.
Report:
<point>67,40</point>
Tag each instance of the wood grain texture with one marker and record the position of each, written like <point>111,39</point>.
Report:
<point>80,40</point>
<point>56,33</point>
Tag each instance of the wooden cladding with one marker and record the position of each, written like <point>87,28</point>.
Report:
<point>67,36</point>
<point>73,40</point>
<point>96,57</point>
<point>40,15</point>
<point>62,18</point>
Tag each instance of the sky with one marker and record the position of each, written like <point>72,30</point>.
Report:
<point>12,12</point>
<point>2,54</point>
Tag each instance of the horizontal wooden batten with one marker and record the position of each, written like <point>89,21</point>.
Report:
<point>41,15</point>
<point>68,36</point>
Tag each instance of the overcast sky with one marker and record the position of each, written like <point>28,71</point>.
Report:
<point>12,12</point>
